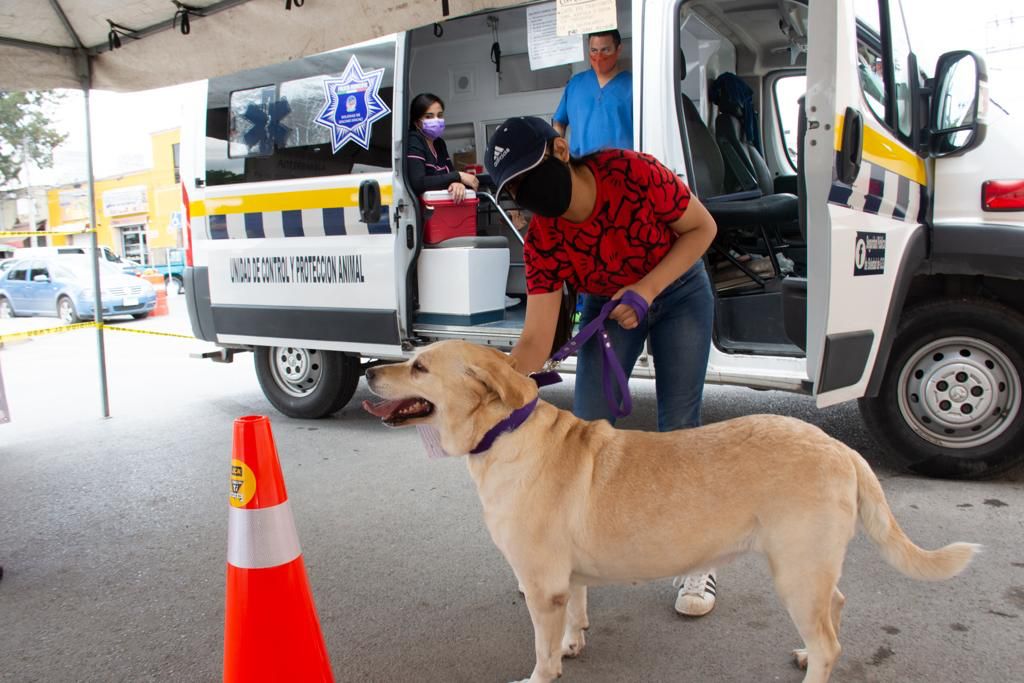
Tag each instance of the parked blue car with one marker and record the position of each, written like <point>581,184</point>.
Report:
<point>62,287</point>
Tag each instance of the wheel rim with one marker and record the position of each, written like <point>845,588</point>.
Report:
<point>959,392</point>
<point>5,309</point>
<point>66,311</point>
<point>297,372</point>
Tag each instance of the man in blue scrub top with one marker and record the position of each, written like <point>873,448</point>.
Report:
<point>598,104</point>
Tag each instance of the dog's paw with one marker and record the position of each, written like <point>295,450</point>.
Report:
<point>800,658</point>
<point>572,644</point>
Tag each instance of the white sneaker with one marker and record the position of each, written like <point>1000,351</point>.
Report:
<point>696,594</point>
<point>511,301</point>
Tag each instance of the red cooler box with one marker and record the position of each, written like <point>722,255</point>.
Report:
<point>445,219</point>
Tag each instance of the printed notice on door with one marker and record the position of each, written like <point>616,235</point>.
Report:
<point>579,17</point>
<point>545,46</point>
<point>869,254</point>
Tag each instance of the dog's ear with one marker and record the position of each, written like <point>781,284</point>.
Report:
<point>496,372</point>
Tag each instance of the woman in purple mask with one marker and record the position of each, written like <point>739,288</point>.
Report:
<point>427,162</point>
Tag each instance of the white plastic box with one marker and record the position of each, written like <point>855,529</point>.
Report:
<point>463,285</point>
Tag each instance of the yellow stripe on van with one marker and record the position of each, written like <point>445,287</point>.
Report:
<point>283,201</point>
<point>880,150</point>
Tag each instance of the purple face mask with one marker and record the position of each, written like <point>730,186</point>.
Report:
<point>433,128</point>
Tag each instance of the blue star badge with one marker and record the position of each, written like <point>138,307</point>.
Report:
<point>353,104</point>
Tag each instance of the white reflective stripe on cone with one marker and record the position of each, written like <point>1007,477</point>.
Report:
<point>260,538</point>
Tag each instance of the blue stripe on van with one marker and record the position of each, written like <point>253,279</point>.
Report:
<point>254,225</point>
<point>334,221</point>
<point>383,226</point>
<point>219,227</point>
<point>876,189</point>
<point>292,223</point>
<point>902,199</point>
<point>840,193</point>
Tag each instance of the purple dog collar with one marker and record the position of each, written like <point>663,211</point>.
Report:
<point>518,416</point>
<point>610,365</point>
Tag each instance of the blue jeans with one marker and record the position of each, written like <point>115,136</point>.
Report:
<point>679,324</point>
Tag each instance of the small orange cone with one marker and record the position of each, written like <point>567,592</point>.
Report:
<point>271,630</point>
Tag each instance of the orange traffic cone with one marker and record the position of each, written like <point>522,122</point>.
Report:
<point>271,630</point>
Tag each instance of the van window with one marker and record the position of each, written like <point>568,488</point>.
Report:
<point>263,124</point>
<point>788,91</point>
<point>883,50</point>
<point>900,67</point>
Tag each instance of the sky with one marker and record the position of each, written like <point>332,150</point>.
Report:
<point>122,122</point>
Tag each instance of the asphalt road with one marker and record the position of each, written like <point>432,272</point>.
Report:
<point>113,537</point>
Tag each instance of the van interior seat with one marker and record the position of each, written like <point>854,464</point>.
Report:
<point>746,168</point>
<point>740,209</point>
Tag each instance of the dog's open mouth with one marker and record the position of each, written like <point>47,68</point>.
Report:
<point>396,412</point>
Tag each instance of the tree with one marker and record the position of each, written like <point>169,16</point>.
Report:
<point>26,132</point>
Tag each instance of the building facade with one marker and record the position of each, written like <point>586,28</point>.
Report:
<point>138,214</point>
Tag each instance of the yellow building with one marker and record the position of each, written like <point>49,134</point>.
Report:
<point>138,214</point>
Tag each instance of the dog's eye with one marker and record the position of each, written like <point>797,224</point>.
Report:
<point>418,367</point>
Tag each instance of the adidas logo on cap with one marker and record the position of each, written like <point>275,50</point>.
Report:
<point>499,154</point>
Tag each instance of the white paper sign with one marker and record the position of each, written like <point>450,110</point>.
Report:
<point>578,17</point>
<point>546,47</point>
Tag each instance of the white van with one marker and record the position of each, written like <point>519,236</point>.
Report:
<point>870,247</point>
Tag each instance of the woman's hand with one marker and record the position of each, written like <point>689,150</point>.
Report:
<point>623,313</point>
<point>469,180</point>
<point>457,191</point>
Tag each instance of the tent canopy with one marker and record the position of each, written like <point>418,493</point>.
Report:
<point>56,44</point>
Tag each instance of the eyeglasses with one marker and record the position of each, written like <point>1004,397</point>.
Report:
<point>602,50</point>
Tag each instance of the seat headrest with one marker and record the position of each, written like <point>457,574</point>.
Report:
<point>734,97</point>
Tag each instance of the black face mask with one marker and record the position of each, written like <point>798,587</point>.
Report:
<point>547,189</point>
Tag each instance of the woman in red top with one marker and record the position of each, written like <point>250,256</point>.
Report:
<point>613,221</point>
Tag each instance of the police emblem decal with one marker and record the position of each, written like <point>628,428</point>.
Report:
<point>353,104</point>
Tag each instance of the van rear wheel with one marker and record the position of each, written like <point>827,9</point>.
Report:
<point>950,404</point>
<point>306,383</point>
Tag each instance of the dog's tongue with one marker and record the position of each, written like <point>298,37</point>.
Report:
<point>382,408</point>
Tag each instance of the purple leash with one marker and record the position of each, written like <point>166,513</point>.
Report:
<point>611,371</point>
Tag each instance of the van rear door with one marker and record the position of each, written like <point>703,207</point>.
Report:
<point>288,259</point>
<point>864,186</point>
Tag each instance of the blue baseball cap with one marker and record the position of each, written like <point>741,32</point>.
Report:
<point>516,147</point>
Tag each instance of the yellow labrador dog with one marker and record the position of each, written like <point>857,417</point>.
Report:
<point>572,503</point>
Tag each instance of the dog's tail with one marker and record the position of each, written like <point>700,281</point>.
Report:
<point>897,549</point>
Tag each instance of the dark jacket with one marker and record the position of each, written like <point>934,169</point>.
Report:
<point>426,171</point>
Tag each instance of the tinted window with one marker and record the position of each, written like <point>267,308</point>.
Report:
<point>262,124</point>
<point>17,274</point>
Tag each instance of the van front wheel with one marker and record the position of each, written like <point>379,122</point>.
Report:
<point>306,383</point>
<point>950,404</point>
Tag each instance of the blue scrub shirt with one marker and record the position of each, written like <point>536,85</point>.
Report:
<point>598,118</point>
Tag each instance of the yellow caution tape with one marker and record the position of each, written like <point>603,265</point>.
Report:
<point>47,233</point>
<point>81,326</point>
<point>157,334</point>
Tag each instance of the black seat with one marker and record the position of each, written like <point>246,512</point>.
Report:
<point>731,211</point>
<point>735,210</point>
<point>736,132</point>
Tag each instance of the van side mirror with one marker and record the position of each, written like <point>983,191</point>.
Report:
<point>959,108</point>
<point>369,201</point>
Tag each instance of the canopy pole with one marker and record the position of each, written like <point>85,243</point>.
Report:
<point>101,356</point>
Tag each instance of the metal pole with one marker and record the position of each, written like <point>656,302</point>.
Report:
<point>101,356</point>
